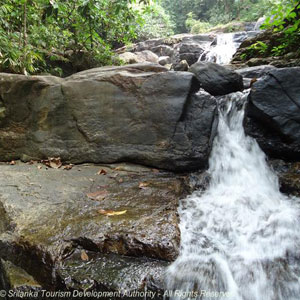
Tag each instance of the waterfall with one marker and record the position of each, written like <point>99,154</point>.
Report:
<point>240,238</point>
<point>222,51</point>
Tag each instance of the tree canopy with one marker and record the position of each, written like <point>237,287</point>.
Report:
<point>215,11</point>
<point>34,31</point>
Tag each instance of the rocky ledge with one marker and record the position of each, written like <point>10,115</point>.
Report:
<point>140,113</point>
<point>109,228</point>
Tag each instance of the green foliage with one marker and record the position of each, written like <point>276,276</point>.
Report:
<point>214,12</point>
<point>196,26</point>
<point>259,48</point>
<point>200,27</point>
<point>284,18</point>
<point>156,23</point>
<point>283,32</point>
<point>32,32</point>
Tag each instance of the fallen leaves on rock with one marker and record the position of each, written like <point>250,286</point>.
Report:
<point>155,171</point>
<point>102,172</point>
<point>40,167</point>
<point>52,162</point>
<point>12,163</point>
<point>114,176</point>
<point>111,213</point>
<point>68,167</point>
<point>84,256</point>
<point>99,195</point>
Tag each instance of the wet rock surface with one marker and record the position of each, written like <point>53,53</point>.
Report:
<point>126,275</point>
<point>255,72</point>
<point>289,176</point>
<point>216,79</point>
<point>60,234</point>
<point>274,113</point>
<point>18,282</point>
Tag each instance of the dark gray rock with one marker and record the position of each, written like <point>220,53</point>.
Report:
<point>180,66</point>
<point>190,58</point>
<point>274,113</point>
<point>104,115</point>
<point>147,45</point>
<point>110,273</point>
<point>289,176</point>
<point>189,52</point>
<point>217,80</point>
<point>255,72</point>
<point>190,48</point>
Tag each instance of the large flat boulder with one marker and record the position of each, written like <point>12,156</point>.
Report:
<point>274,113</point>
<point>62,226</point>
<point>132,113</point>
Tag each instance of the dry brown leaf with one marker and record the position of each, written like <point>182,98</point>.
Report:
<point>102,172</point>
<point>143,185</point>
<point>111,213</point>
<point>84,256</point>
<point>68,167</point>
<point>155,170</point>
<point>55,162</point>
<point>99,195</point>
<point>40,167</point>
<point>45,162</point>
<point>119,168</point>
<point>12,163</point>
<point>52,162</point>
<point>114,175</point>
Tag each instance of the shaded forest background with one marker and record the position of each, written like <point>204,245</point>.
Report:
<point>36,36</point>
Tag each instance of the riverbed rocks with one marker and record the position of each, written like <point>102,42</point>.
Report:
<point>255,72</point>
<point>274,113</point>
<point>216,79</point>
<point>181,47</point>
<point>134,113</point>
<point>70,225</point>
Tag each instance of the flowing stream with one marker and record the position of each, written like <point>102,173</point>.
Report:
<point>222,51</point>
<point>240,238</point>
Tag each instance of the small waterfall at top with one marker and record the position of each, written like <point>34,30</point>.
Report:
<point>222,51</point>
<point>240,238</point>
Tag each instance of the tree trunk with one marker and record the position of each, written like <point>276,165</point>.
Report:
<point>25,24</point>
<point>24,37</point>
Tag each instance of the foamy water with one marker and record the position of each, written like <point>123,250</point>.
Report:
<point>240,239</point>
<point>223,51</point>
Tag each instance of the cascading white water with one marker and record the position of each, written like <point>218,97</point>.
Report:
<point>223,51</point>
<point>240,238</point>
